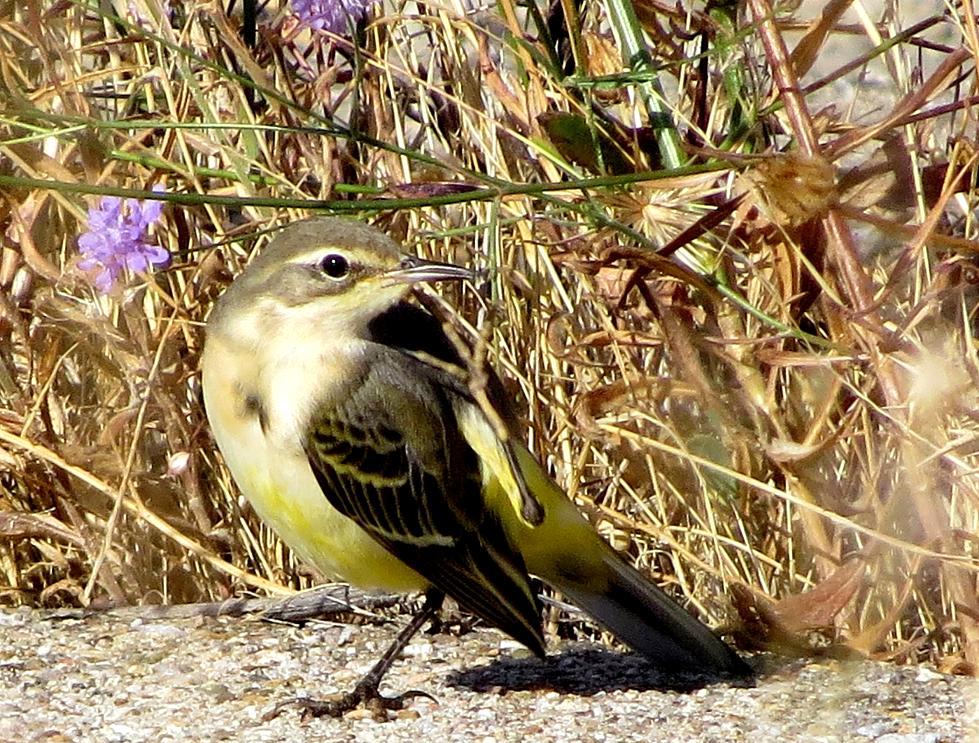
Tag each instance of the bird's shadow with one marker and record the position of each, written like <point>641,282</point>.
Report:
<point>584,672</point>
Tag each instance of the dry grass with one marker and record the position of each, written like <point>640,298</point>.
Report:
<point>779,406</point>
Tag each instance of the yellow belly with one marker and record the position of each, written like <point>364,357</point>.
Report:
<point>279,484</point>
<point>291,502</point>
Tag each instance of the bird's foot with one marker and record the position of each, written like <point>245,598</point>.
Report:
<point>365,695</point>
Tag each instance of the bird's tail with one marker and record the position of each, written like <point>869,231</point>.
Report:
<point>567,553</point>
<point>563,549</point>
<point>640,614</point>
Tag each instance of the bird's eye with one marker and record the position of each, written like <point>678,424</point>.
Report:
<point>335,266</point>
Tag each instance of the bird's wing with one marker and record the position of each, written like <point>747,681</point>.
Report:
<point>420,335</point>
<point>389,455</point>
<point>555,542</point>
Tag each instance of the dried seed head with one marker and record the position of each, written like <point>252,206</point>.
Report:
<point>792,188</point>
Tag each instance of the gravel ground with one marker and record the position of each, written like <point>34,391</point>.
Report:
<point>114,678</point>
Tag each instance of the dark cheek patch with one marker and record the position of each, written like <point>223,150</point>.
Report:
<point>253,407</point>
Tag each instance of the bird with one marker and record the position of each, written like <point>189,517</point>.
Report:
<point>357,429</point>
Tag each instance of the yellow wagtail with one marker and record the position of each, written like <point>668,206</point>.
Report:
<point>344,414</point>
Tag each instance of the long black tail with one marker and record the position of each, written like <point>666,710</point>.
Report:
<point>643,616</point>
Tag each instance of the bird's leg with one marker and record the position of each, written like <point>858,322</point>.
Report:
<point>366,693</point>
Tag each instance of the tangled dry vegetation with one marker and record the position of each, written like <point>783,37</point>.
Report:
<point>745,343</point>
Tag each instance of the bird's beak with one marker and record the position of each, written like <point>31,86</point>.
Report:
<point>414,270</point>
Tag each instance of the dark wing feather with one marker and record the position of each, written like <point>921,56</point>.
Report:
<point>389,455</point>
<point>418,333</point>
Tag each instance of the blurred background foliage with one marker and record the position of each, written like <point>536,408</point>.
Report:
<point>729,276</point>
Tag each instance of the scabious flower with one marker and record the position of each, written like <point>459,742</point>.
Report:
<point>330,15</point>
<point>116,240</point>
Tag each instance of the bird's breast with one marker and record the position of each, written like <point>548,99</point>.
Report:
<point>257,408</point>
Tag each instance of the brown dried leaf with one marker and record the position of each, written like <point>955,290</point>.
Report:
<point>885,179</point>
<point>514,105</point>
<point>819,607</point>
<point>763,627</point>
<point>427,189</point>
<point>19,525</point>
<point>760,627</point>
<point>785,451</point>
<point>944,75</point>
<point>807,50</point>
<point>604,58</point>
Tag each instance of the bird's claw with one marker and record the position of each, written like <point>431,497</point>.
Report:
<point>366,696</point>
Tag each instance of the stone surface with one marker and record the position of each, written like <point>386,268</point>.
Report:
<point>114,678</point>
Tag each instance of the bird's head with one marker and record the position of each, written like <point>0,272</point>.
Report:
<point>324,277</point>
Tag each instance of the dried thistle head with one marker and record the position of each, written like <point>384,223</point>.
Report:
<point>791,188</point>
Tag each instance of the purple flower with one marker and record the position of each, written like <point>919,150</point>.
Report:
<point>330,15</point>
<point>116,240</point>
